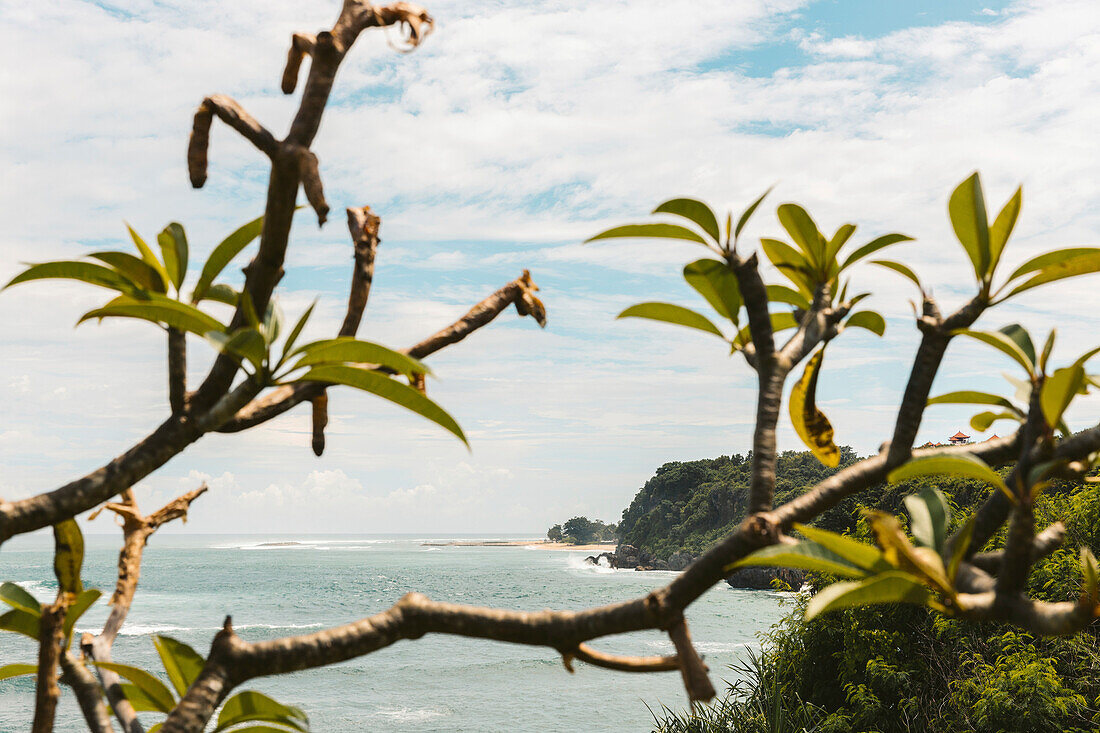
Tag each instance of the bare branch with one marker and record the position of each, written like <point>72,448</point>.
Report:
<point>310,176</point>
<point>620,663</point>
<point>364,225</point>
<point>232,114</point>
<point>1046,542</point>
<point>50,637</point>
<point>86,688</point>
<point>300,45</point>
<point>177,370</point>
<point>694,672</point>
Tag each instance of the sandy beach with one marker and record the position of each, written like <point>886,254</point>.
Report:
<point>540,544</point>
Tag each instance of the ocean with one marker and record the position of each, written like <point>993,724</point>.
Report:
<point>438,683</point>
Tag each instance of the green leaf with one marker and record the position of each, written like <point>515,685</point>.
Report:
<point>68,555</point>
<point>971,397</point>
<point>349,349</point>
<point>788,260</point>
<point>1058,392</point>
<point>222,293</point>
<point>695,211</point>
<point>88,272</point>
<point>889,587</point>
<point>1003,226</point>
<point>297,331</point>
<point>874,246</point>
<point>1002,343</point>
<point>173,248</point>
<point>22,622</point>
<point>1060,270</point>
<point>157,309</point>
<point>17,670</point>
<point>901,270</point>
<point>273,322</point>
<point>962,543</point>
<point>804,232</point>
<point>857,553</point>
<point>747,213</point>
<point>809,422</point>
<point>148,257</point>
<point>840,238</point>
<point>251,705</point>
<point>1090,572</point>
<point>223,254</point>
<point>790,296</point>
<point>16,597</point>
<point>77,608</point>
<point>1047,348</point>
<point>675,314</point>
<point>714,281</point>
<point>961,464</point>
<point>182,663</point>
<point>804,555</point>
<point>388,389</point>
<point>1041,262</point>
<point>136,270</point>
<point>639,231</point>
<point>870,320</point>
<point>140,700</point>
<point>246,342</point>
<point>968,217</point>
<point>983,420</point>
<point>781,321</point>
<point>154,690</point>
<point>1019,334</point>
<point>929,516</point>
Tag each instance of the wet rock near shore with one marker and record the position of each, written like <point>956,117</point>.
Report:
<point>762,578</point>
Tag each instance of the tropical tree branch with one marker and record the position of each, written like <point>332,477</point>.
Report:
<point>86,689</point>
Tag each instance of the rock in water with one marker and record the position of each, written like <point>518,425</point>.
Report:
<point>761,578</point>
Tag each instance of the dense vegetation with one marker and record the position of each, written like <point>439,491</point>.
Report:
<point>582,531</point>
<point>687,506</point>
<point>905,668</point>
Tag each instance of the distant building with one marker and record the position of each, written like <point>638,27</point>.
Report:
<point>959,438</point>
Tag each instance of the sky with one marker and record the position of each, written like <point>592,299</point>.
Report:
<point>517,131</point>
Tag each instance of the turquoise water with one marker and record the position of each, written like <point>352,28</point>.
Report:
<point>438,683</point>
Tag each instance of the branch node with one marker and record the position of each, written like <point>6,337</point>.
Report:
<point>527,304</point>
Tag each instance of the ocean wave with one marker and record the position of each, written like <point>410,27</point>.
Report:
<point>150,629</point>
<point>705,647</point>
<point>43,590</point>
<point>576,563</point>
<point>409,715</point>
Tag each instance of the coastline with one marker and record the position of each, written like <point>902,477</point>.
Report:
<point>536,543</point>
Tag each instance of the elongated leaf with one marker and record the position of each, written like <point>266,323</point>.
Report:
<point>901,270</point>
<point>136,270</point>
<point>75,610</point>
<point>68,555</point>
<point>962,543</point>
<point>747,213</point>
<point>971,397</point>
<point>839,239</point>
<point>295,332</point>
<point>1058,391</point>
<point>154,690</point>
<point>1047,348</point>
<point>783,294</point>
<point>923,562</point>
<point>781,321</point>
<point>983,420</point>
<point>16,597</point>
<point>140,700</point>
<point>17,670</point>
<point>157,309</point>
<point>1041,262</point>
<point>1060,270</point>
<point>714,281</point>
<point>971,223</point>
<point>891,587</point>
<point>804,232</point>
<point>789,261</point>
<point>388,389</point>
<point>870,320</point>
<point>809,422</point>
<point>251,705</point>
<point>929,517</point>
<point>87,272</point>
<point>1003,226</point>
<point>695,211</point>
<point>675,314</point>
<point>273,322</point>
<point>1003,344</point>
<point>1090,573</point>
<point>182,663</point>
<point>641,231</point>
<point>1022,338</point>
<point>245,343</point>
<point>22,622</point>
<point>350,349</point>
<point>874,246</point>
<point>805,556</point>
<point>222,293</point>
<point>223,254</point>
<point>853,551</point>
<point>961,464</point>
<point>147,255</point>
<point>174,251</point>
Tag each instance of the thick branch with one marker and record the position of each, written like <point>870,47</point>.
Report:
<point>86,688</point>
<point>364,225</point>
<point>177,370</point>
<point>620,663</point>
<point>47,692</point>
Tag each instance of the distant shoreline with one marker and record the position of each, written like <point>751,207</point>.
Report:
<point>540,544</point>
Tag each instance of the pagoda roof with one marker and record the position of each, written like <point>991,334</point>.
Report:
<point>960,434</point>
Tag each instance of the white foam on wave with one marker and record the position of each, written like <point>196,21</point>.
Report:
<point>706,647</point>
<point>407,715</point>
<point>150,629</point>
<point>39,589</point>
<point>576,563</point>
<point>315,545</point>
